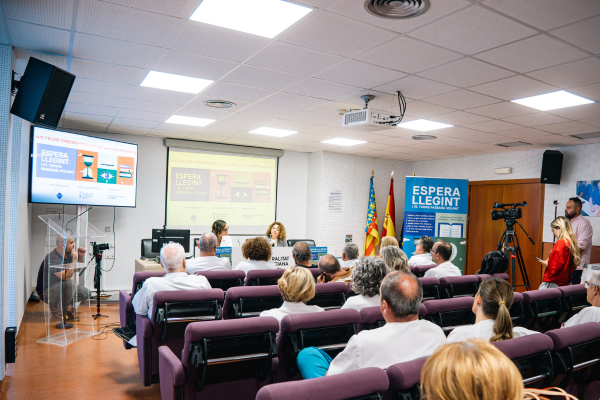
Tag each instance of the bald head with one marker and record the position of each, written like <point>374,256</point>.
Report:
<point>301,253</point>
<point>207,244</point>
<point>329,264</point>
<point>403,294</point>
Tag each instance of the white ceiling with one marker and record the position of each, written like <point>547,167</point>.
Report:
<point>460,63</point>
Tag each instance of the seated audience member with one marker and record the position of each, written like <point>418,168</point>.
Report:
<point>349,255</point>
<point>492,318</point>
<point>471,370</point>
<point>588,314</point>
<point>395,258</point>
<point>367,275</point>
<point>257,254</point>
<point>388,241</point>
<point>332,271</point>
<point>297,286</point>
<point>403,338</point>
<point>440,254</point>
<point>302,255</point>
<point>422,253</point>
<point>564,257</point>
<point>208,261</point>
<point>276,235</point>
<point>172,259</point>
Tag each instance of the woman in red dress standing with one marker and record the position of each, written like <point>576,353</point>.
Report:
<point>564,257</point>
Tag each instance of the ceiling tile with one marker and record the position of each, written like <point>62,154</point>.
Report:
<point>334,34</point>
<point>319,119</point>
<point>578,113</point>
<point>243,142</point>
<point>567,127</point>
<point>530,54</point>
<point>101,87</point>
<point>177,62</point>
<point>558,140</point>
<point>502,110</point>
<point>39,38</point>
<point>87,126</point>
<point>381,100</point>
<point>460,118</point>
<point>202,137</point>
<point>127,130</point>
<point>215,41</point>
<point>90,109</point>
<point>262,78</point>
<point>176,8</point>
<point>489,138</point>
<point>23,58</point>
<point>209,130</point>
<point>577,73</point>
<point>57,13</point>
<point>332,107</point>
<point>145,115</point>
<point>492,126</point>
<point>456,132</point>
<point>136,123</point>
<point>546,14</point>
<point>164,128</point>
<point>295,59</point>
<point>414,87</point>
<point>473,30</point>
<point>358,73</point>
<point>106,72</point>
<point>421,109</point>
<point>290,100</point>
<point>100,119</point>
<point>161,96</point>
<point>228,91</point>
<point>583,34</point>
<point>529,135</point>
<point>200,100</point>
<point>466,72</point>
<point>322,89</point>
<point>113,51</point>
<point>269,111</point>
<point>96,100</point>
<point>205,112</point>
<point>255,120</point>
<point>300,127</point>
<point>123,23</point>
<point>152,106</point>
<point>462,99</point>
<point>515,87</point>
<point>538,118</point>
<point>591,92</point>
<point>408,55</point>
<point>233,126</point>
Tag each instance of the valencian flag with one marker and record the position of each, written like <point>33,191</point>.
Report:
<point>389,222</point>
<point>372,229</point>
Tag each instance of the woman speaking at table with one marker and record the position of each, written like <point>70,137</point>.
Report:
<point>276,235</point>
<point>564,257</point>
<point>220,229</point>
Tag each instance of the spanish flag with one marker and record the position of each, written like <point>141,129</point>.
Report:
<point>372,229</point>
<point>389,222</point>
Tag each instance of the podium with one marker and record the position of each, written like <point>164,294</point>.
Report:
<point>67,309</point>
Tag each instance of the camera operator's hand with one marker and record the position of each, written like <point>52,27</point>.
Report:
<point>80,254</point>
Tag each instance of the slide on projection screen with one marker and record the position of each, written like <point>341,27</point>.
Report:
<point>203,187</point>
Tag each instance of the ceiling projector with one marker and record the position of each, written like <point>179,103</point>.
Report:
<point>369,119</point>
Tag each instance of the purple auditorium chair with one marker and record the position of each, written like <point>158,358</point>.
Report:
<point>543,309</point>
<point>329,296</point>
<point>370,318</point>
<point>458,286</point>
<point>450,313</point>
<point>532,356</point>
<point>405,379</point>
<point>220,360</point>
<point>501,275</point>
<point>250,301</point>
<point>263,277</point>
<point>223,279</point>
<point>315,272</point>
<point>126,313</point>
<point>517,310</point>
<point>172,312</point>
<point>363,384</point>
<point>577,359</point>
<point>574,299</point>
<point>483,277</point>
<point>431,288</point>
<point>421,269</point>
<point>329,331</point>
<point>350,292</point>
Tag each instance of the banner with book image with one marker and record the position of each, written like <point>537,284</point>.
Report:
<point>589,193</point>
<point>436,207</point>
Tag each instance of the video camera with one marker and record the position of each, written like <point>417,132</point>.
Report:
<point>509,211</point>
<point>98,248</point>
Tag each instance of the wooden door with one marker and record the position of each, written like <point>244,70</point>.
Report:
<point>484,234</point>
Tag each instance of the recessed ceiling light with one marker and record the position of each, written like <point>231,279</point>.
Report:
<point>343,142</point>
<point>178,83</point>
<point>513,144</point>
<point>424,137</point>
<point>181,120</point>
<point>219,104</point>
<point>272,132</point>
<point>423,125</point>
<point>590,135</point>
<point>266,18</point>
<point>553,101</point>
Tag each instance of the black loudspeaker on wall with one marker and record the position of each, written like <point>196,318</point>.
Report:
<point>552,167</point>
<point>43,92</point>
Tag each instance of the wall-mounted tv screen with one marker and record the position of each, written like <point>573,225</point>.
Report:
<point>67,168</point>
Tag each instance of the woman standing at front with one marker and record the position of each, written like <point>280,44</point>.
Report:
<point>220,229</point>
<point>564,257</point>
<point>276,235</point>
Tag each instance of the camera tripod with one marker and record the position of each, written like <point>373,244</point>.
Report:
<point>509,243</point>
<point>98,279</point>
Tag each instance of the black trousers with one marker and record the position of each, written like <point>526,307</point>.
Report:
<point>576,277</point>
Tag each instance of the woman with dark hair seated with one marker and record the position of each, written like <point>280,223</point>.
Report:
<point>257,254</point>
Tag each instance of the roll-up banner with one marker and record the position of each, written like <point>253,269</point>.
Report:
<point>436,207</point>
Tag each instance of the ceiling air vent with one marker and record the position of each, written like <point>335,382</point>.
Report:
<point>396,9</point>
<point>513,144</point>
<point>424,137</point>
<point>219,104</point>
<point>591,135</point>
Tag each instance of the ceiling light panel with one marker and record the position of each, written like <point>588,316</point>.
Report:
<point>266,18</point>
<point>553,101</point>
<point>178,83</point>
<point>343,142</point>
<point>272,132</point>
<point>181,120</point>
<point>423,125</point>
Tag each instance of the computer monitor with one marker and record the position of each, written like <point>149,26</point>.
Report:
<point>160,237</point>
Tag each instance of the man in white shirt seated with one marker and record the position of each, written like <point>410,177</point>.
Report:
<point>257,255</point>
<point>302,255</point>
<point>332,271</point>
<point>403,338</point>
<point>588,314</point>
<point>440,254</point>
<point>172,259</point>
<point>349,255</point>
<point>207,260</point>
<point>422,253</point>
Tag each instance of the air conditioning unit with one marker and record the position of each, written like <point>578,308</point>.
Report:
<point>369,119</point>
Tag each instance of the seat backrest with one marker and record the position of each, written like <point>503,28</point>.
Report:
<point>370,318</point>
<point>329,296</point>
<point>250,301</point>
<point>574,299</point>
<point>146,250</point>
<point>431,289</point>
<point>219,356</point>
<point>315,272</point>
<point>363,384</point>
<point>517,310</point>
<point>140,277</point>
<point>263,277</point>
<point>543,309</point>
<point>309,242</point>
<point>501,275</point>
<point>483,277</point>
<point>404,380</point>
<point>223,279</point>
<point>450,313</point>
<point>531,354</point>
<point>459,286</point>
<point>196,241</point>
<point>421,269</point>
